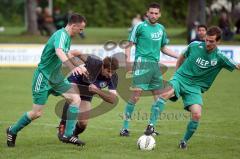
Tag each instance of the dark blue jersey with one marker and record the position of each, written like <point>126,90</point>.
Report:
<point>94,67</point>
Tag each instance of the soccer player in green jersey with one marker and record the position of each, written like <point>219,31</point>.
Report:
<point>48,79</point>
<point>197,68</point>
<point>149,38</point>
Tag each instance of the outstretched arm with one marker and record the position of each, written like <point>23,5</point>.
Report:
<point>109,96</point>
<point>66,60</point>
<point>180,61</point>
<point>169,52</point>
<point>79,54</point>
<point>128,56</point>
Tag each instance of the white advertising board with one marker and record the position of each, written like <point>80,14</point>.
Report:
<point>23,55</point>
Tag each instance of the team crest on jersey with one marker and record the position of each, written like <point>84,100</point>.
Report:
<point>157,35</point>
<point>214,62</point>
<point>103,84</point>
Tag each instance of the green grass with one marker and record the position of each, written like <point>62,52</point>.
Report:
<point>95,36</point>
<point>217,136</point>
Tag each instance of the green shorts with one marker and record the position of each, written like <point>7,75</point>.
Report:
<point>41,88</point>
<point>191,94</point>
<point>147,75</point>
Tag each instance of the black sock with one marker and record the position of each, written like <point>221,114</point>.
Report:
<point>79,129</point>
<point>64,113</point>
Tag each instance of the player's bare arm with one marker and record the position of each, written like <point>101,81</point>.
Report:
<point>180,61</point>
<point>169,52</point>
<point>79,54</point>
<point>128,56</point>
<point>109,97</point>
<point>75,70</point>
<point>74,58</point>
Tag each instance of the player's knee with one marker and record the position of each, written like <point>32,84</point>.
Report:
<point>35,114</point>
<point>167,94</point>
<point>196,116</point>
<point>83,123</point>
<point>135,99</point>
<point>76,100</point>
<point>164,96</point>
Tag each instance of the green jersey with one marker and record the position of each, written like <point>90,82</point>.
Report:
<point>50,64</point>
<point>149,39</point>
<point>201,67</point>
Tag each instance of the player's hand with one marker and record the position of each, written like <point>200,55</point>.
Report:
<point>238,66</point>
<point>129,74</point>
<point>93,88</point>
<point>81,70</point>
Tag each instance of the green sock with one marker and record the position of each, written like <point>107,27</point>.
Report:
<point>156,110</point>
<point>21,123</point>
<point>128,113</point>
<point>72,114</point>
<point>191,128</point>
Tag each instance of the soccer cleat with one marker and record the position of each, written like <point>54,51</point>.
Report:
<point>61,129</point>
<point>182,145</point>
<point>11,138</point>
<point>124,132</point>
<point>72,140</point>
<point>150,131</point>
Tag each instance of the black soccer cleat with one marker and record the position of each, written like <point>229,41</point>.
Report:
<point>72,140</point>
<point>61,129</point>
<point>124,132</point>
<point>182,145</point>
<point>11,138</point>
<point>150,131</point>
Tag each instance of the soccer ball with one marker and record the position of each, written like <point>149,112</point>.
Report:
<point>146,142</point>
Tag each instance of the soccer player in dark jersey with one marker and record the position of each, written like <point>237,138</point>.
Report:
<point>102,74</point>
<point>197,68</point>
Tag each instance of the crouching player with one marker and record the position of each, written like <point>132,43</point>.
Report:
<point>102,73</point>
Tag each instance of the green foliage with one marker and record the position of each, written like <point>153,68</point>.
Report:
<point>12,12</point>
<point>101,13</point>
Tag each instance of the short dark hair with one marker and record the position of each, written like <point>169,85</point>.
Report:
<point>202,26</point>
<point>215,30</point>
<point>110,63</point>
<point>76,18</point>
<point>154,5</point>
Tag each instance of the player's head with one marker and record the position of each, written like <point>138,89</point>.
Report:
<point>153,12</point>
<point>213,37</point>
<point>201,31</point>
<point>76,24</point>
<point>110,65</point>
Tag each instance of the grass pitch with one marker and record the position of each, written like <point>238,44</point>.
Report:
<point>217,136</point>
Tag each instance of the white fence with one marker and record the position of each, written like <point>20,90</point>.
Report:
<point>24,55</point>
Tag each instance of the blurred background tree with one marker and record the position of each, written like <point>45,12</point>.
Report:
<point>119,14</point>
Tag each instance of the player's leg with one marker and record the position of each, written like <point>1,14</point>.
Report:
<point>73,97</point>
<point>82,118</point>
<point>129,108</point>
<point>81,125</point>
<point>157,108</point>
<point>192,99</point>
<point>40,95</point>
<point>62,124</point>
<point>24,120</point>
<point>172,92</point>
<point>141,78</point>
<point>192,126</point>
